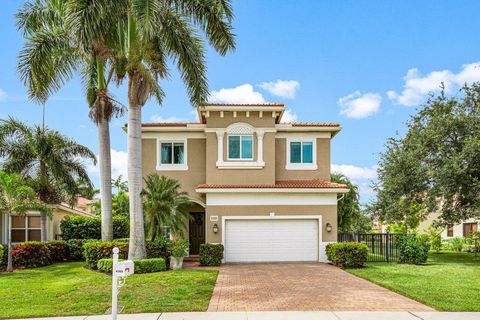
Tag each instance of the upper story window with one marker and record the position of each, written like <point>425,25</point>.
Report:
<point>301,153</point>
<point>240,147</point>
<point>172,155</point>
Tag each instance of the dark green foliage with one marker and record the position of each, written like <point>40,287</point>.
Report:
<point>2,253</point>
<point>75,248</point>
<point>347,254</point>
<point>79,227</point>
<point>412,248</point>
<point>97,250</point>
<point>178,248</point>
<point>211,254</point>
<point>141,266</point>
<point>437,159</point>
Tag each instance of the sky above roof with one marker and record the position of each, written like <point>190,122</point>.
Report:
<point>364,64</point>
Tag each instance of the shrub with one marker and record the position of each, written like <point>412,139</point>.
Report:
<point>211,254</point>
<point>75,248</point>
<point>413,248</point>
<point>30,254</point>
<point>2,251</point>
<point>96,250</point>
<point>178,248</point>
<point>455,244</point>
<point>58,251</point>
<point>347,254</point>
<point>79,227</point>
<point>141,266</point>
<point>435,237</point>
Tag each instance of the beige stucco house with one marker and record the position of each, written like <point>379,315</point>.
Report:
<point>27,227</point>
<point>261,187</point>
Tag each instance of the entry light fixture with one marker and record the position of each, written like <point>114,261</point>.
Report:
<point>328,226</point>
<point>215,228</point>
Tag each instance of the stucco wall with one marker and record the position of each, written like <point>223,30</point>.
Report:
<point>196,161</point>
<point>215,121</point>
<point>323,162</point>
<point>328,213</point>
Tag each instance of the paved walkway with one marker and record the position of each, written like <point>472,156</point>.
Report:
<point>319,315</point>
<point>301,287</point>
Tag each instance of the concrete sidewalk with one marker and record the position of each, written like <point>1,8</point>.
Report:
<point>286,315</point>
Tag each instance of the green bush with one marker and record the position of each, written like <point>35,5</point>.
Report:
<point>79,227</point>
<point>96,250</point>
<point>75,248</point>
<point>2,252</point>
<point>30,254</point>
<point>412,248</point>
<point>178,248</point>
<point>58,251</point>
<point>347,254</point>
<point>455,244</point>
<point>141,266</point>
<point>435,237</point>
<point>211,254</point>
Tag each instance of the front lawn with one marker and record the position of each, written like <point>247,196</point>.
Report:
<point>448,282</point>
<point>70,289</point>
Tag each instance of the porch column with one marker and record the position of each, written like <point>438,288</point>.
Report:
<point>220,135</point>
<point>260,135</point>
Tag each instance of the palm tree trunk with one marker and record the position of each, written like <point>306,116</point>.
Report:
<point>43,216</point>
<point>104,160</point>
<point>136,248</point>
<point>9,244</point>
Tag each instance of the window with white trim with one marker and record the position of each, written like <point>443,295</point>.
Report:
<point>26,228</point>
<point>240,147</point>
<point>172,155</point>
<point>301,152</point>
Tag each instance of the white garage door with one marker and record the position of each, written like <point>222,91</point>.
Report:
<point>271,240</point>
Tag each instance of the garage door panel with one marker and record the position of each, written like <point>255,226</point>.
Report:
<point>271,240</point>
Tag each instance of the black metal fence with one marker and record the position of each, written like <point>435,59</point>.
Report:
<point>382,247</point>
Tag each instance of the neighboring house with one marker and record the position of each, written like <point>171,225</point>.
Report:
<point>27,228</point>
<point>261,187</point>
<point>462,229</point>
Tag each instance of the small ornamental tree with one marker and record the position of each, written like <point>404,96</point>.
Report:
<point>16,198</point>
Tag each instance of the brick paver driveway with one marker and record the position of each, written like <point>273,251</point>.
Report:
<point>301,286</point>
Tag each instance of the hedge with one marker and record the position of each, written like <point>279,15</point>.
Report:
<point>413,248</point>
<point>97,250</point>
<point>211,254</point>
<point>2,254</point>
<point>141,266</point>
<point>347,254</point>
<point>79,227</point>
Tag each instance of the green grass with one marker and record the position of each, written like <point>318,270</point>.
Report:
<point>448,282</point>
<point>70,289</point>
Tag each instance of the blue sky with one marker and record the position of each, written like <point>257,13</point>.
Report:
<point>364,64</point>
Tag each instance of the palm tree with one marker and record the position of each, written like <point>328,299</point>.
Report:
<point>165,205</point>
<point>16,198</point>
<point>53,52</point>
<point>155,31</point>
<point>120,184</point>
<point>50,161</point>
<point>348,205</point>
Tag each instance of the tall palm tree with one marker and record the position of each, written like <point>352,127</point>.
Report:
<point>156,31</point>
<point>51,161</point>
<point>16,198</point>
<point>165,205</point>
<point>53,52</point>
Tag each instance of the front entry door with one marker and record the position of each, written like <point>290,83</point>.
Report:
<point>196,232</point>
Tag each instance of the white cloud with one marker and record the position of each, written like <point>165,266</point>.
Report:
<point>355,172</point>
<point>357,105</point>
<point>289,116</point>
<point>158,118</point>
<point>119,164</point>
<point>3,96</point>
<point>361,176</point>
<point>417,87</point>
<point>281,88</point>
<point>241,94</point>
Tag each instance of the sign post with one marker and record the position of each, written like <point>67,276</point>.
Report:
<point>120,270</point>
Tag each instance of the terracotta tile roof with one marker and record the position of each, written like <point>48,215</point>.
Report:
<point>168,124</point>
<point>243,105</point>
<point>285,184</point>
<point>313,124</point>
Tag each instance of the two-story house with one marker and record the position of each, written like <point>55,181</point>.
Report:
<point>261,187</point>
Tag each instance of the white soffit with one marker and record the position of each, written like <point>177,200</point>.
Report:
<point>252,199</point>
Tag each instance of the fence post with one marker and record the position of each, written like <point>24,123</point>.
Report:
<point>387,246</point>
